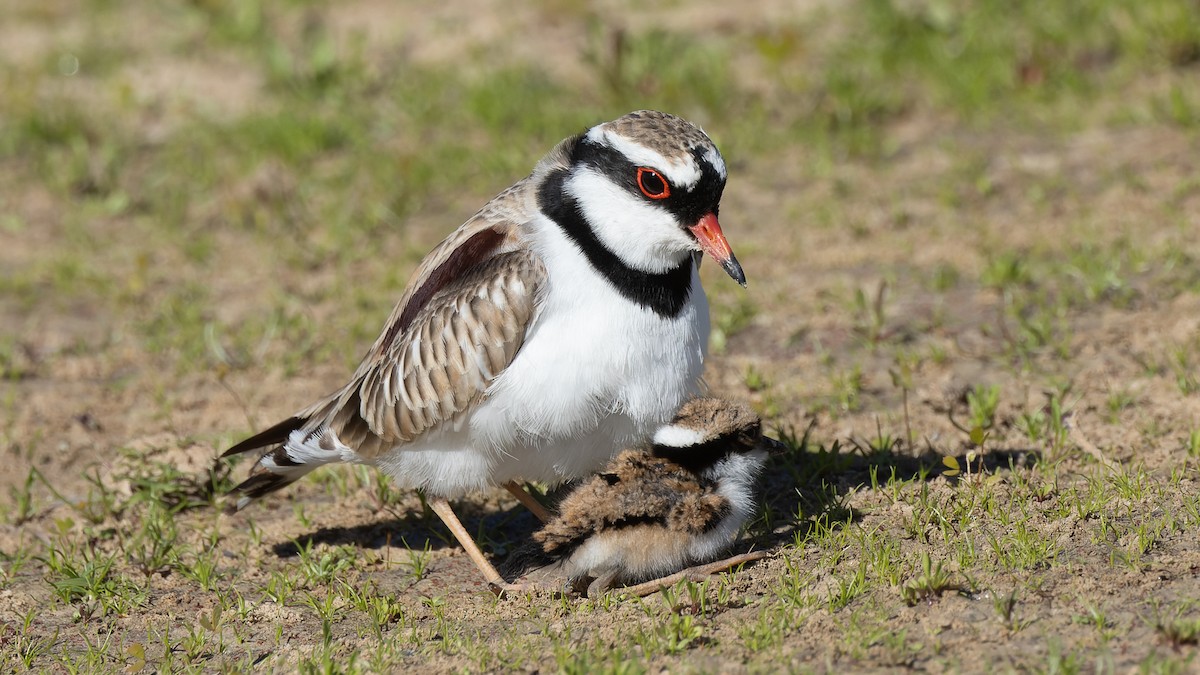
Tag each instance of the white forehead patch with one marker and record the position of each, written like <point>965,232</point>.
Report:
<point>683,174</point>
<point>675,436</point>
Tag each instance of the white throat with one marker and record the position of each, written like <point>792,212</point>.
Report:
<point>645,237</point>
<point>736,475</point>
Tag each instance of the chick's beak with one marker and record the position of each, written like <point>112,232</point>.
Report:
<point>712,241</point>
<point>773,446</point>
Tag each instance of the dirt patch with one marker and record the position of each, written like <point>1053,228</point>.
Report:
<point>1039,285</point>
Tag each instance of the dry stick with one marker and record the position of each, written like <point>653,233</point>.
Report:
<point>696,573</point>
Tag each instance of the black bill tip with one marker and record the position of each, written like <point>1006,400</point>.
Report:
<point>773,447</point>
<point>734,269</point>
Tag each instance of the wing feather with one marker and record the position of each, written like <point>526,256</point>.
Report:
<point>388,400</point>
<point>465,335</point>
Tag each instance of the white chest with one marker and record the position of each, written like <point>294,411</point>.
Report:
<point>595,374</point>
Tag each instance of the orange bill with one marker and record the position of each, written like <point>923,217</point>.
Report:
<point>712,241</point>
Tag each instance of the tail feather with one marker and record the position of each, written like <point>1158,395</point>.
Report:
<point>275,434</point>
<point>255,486</point>
<point>298,451</point>
<point>276,469</point>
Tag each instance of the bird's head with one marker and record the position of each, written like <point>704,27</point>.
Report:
<point>716,438</point>
<point>648,184</point>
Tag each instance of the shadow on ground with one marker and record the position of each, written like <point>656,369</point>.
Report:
<point>807,485</point>
<point>496,531</point>
<point>810,483</point>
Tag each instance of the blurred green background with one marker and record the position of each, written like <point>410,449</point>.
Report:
<point>149,147</point>
<point>986,208</point>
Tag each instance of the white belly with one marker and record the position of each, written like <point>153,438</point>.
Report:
<point>596,374</point>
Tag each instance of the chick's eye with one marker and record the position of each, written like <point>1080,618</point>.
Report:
<point>652,184</point>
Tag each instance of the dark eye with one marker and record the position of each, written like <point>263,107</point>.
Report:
<point>652,184</point>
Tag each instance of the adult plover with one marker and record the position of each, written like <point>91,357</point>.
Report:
<point>561,323</point>
<point>654,512</point>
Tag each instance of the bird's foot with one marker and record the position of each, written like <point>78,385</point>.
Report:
<point>505,590</point>
<point>696,574</point>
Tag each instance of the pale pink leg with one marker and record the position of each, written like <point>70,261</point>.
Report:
<point>442,508</point>
<point>529,501</point>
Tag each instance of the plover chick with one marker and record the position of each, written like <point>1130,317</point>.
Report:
<point>660,514</point>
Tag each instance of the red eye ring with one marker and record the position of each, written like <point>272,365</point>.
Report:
<point>652,183</point>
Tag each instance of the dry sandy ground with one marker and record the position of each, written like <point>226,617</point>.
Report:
<point>86,402</point>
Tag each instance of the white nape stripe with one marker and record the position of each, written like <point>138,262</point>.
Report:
<point>683,174</point>
<point>716,160</point>
<point>675,436</point>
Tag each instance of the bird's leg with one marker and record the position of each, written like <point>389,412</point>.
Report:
<point>442,508</point>
<point>697,573</point>
<point>529,501</point>
<point>600,584</point>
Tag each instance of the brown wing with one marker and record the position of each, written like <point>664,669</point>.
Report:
<point>697,512</point>
<point>462,319</point>
<point>447,355</point>
<point>491,231</point>
<point>465,335</point>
